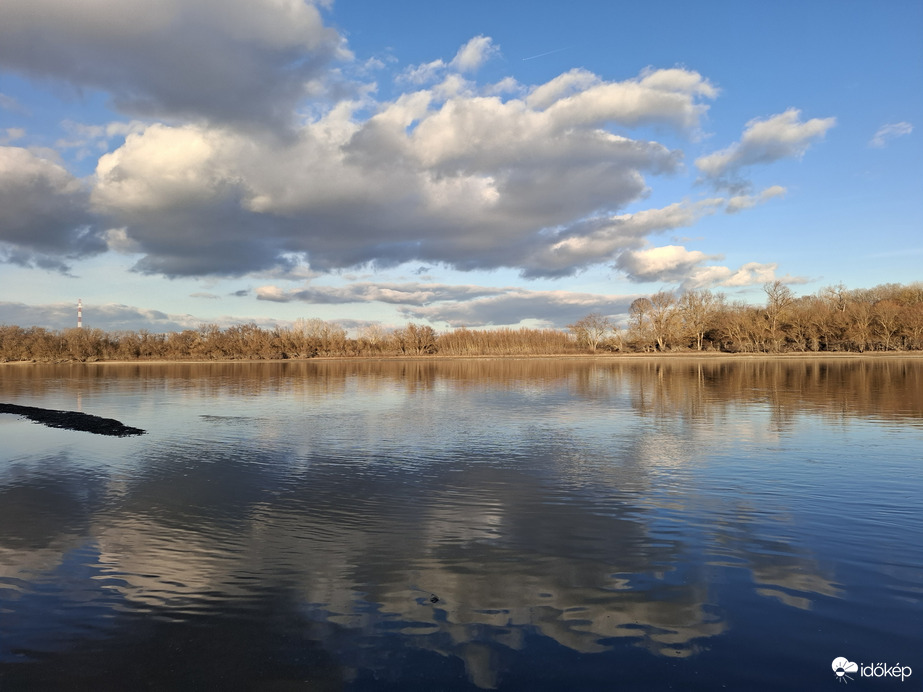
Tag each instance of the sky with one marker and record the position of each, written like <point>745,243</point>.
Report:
<point>474,163</point>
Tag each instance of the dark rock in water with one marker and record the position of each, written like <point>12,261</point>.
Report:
<point>72,420</point>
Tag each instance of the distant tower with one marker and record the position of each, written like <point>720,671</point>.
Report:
<point>79,314</point>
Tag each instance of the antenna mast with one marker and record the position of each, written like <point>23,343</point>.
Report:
<point>79,314</point>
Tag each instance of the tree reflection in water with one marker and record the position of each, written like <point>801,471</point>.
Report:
<point>325,520</point>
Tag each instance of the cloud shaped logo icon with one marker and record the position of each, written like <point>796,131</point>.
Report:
<point>841,666</point>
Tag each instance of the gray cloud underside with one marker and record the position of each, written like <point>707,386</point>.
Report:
<point>457,305</point>
<point>550,308</point>
<point>110,317</point>
<point>45,217</point>
<point>242,61</point>
<point>392,293</point>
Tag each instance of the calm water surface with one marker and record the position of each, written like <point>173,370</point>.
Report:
<point>455,525</point>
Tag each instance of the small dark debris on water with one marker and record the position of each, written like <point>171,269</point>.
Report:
<point>72,420</point>
<point>434,599</point>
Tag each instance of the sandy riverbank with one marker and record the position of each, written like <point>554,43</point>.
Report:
<point>673,355</point>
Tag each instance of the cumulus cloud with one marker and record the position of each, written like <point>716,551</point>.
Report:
<point>176,195</point>
<point>670,263</point>
<point>567,84</point>
<point>474,182</point>
<point>423,73</point>
<point>669,97</point>
<point>764,141</point>
<point>469,58</point>
<point>677,265</point>
<point>44,212</point>
<point>450,173</point>
<point>244,61</point>
<point>749,274</point>
<point>89,140</point>
<point>599,239</point>
<point>888,132</point>
<point>474,54</point>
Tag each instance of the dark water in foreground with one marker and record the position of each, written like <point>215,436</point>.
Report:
<point>521,525</point>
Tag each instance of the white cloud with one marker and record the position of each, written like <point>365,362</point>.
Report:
<point>750,274</point>
<point>669,263</point>
<point>764,141</point>
<point>160,167</point>
<point>474,54</point>
<point>469,58</point>
<point>741,202</point>
<point>507,85</point>
<point>424,73</point>
<point>600,239</point>
<point>888,132</point>
<point>633,102</point>
<point>572,82</point>
<point>674,264</point>
<point>678,80</point>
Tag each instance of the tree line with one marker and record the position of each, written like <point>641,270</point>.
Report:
<point>888,317</point>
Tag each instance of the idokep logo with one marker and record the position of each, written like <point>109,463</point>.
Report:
<point>843,666</point>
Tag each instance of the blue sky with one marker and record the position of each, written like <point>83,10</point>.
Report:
<point>477,163</point>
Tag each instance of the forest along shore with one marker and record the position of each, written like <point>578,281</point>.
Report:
<point>884,319</point>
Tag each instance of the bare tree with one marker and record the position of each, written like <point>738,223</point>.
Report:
<point>861,319</point>
<point>779,298</point>
<point>639,323</point>
<point>416,339</point>
<point>372,338</point>
<point>591,330</point>
<point>697,310</point>
<point>884,317</point>
<point>738,324</point>
<point>887,322</point>
<point>320,337</point>
<point>663,318</point>
<point>912,319</point>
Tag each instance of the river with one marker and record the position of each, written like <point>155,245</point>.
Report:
<point>464,524</point>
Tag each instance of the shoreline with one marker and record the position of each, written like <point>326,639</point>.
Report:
<point>683,355</point>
